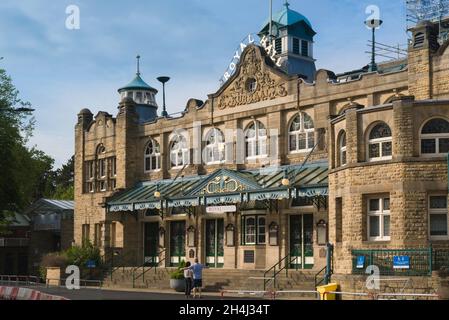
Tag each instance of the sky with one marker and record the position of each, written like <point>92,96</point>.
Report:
<point>60,71</point>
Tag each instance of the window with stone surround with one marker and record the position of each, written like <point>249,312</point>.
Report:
<point>256,140</point>
<point>438,217</point>
<point>179,152</point>
<point>435,137</point>
<point>254,228</point>
<point>152,157</point>
<point>342,149</point>
<point>89,176</point>
<point>301,134</point>
<point>380,143</point>
<point>379,219</point>
<point>215,147</point>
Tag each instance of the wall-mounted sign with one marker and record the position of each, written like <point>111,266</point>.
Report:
<point>401,262</point>
<point>250,39</point>
<point>360,262</point>
<point>221,209</point>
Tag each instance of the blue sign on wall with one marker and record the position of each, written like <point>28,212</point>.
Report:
<point>401,262</point>
<point>91,264</point>
<point>360,262</point>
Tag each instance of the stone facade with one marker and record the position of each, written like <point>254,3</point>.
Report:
<point>404,98</point>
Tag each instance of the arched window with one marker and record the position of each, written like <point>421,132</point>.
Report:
<point>435,137</point>
<point>152,156</point>
<point>342,149</point>
<point>301,134</point>
<point>179,152</point>
<point>256,140</point>
<point>380,143</point>
<point>215,147</point>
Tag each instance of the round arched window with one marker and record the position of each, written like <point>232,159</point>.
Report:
<point>435,137</point>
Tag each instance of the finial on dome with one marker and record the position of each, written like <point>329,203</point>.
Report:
<point>286,4</point>
<point>138,65</point>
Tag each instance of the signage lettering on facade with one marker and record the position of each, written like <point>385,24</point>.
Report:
<point>221,209</point>
<point>250,39</point>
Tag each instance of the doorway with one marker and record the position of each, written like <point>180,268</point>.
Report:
<point>177,242</point>
<point>214,243</point>
<point>151,244</point>
<point>301,241</point>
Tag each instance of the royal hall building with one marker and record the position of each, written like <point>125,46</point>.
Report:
<point>280,161</point>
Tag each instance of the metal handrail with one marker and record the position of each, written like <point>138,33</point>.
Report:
<point>275,273</point>
<point>154,266</point>
<point>123,257</point>
<point>323,278</point>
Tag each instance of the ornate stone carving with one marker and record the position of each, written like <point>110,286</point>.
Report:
<point>222,184</point>
<point>267,88</point>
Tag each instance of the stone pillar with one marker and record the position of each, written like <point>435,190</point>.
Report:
<point>352,136</point>
<point>419,59</point>
<point>126,132</point>
<point>403,142</point>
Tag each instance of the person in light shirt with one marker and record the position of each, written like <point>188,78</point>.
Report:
<point>197,269</point>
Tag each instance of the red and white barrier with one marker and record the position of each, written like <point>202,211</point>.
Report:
<point>15,293</point>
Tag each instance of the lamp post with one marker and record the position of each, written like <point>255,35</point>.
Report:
<point>163,80</point>
<point>373,24</point>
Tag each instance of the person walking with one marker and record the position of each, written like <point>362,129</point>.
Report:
<point>197,269</point>
<point>188,276</point>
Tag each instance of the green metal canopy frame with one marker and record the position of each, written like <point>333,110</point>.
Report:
<point>257,185</point>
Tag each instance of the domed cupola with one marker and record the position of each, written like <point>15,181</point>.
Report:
<point>292,38</point>
<point>143,95</point>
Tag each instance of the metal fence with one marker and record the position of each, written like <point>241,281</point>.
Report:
<point>420,261</point>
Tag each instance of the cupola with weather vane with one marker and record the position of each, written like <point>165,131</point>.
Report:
<point>291,35</point>
<point>143,95</point>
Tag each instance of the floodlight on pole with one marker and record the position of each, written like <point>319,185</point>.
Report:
<point>373,24</point>
<point>163,80</point>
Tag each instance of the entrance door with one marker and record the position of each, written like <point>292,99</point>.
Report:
<point>151,243</point>
<point>301,241</point>
<point>214,243</point>
<point>177,242</point>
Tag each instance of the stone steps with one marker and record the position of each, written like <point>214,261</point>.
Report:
<point>215,279</point>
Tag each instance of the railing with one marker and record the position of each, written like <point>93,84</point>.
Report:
<point>420,261</point>
<point>288,260</point>
<point>19,280</point>
<point>82,282</point>
<point>440,261</point>
<point>320,275</point>
<point>324,275</point>
<point>14,242</point>
<point>117,262</point>
<point>145,265</point>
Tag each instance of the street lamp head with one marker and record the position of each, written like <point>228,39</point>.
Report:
<point>373,23</point>
<point>163,79</point>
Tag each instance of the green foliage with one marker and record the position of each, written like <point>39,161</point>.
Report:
<point>27,174</point>
<point>178,274</point>
<point>79,256</point>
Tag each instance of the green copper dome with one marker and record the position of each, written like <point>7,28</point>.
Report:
<point>287,17</point>
<point>137,84</point>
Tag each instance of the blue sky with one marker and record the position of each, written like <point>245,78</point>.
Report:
<point>61,71</point>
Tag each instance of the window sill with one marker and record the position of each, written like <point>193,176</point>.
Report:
<point>153,171</point>
<point>299,151</point>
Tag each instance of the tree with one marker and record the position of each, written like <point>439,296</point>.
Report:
<point>25,173</point>
<point>64,181</point>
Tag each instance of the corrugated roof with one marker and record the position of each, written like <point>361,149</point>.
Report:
<point>61,204</point>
